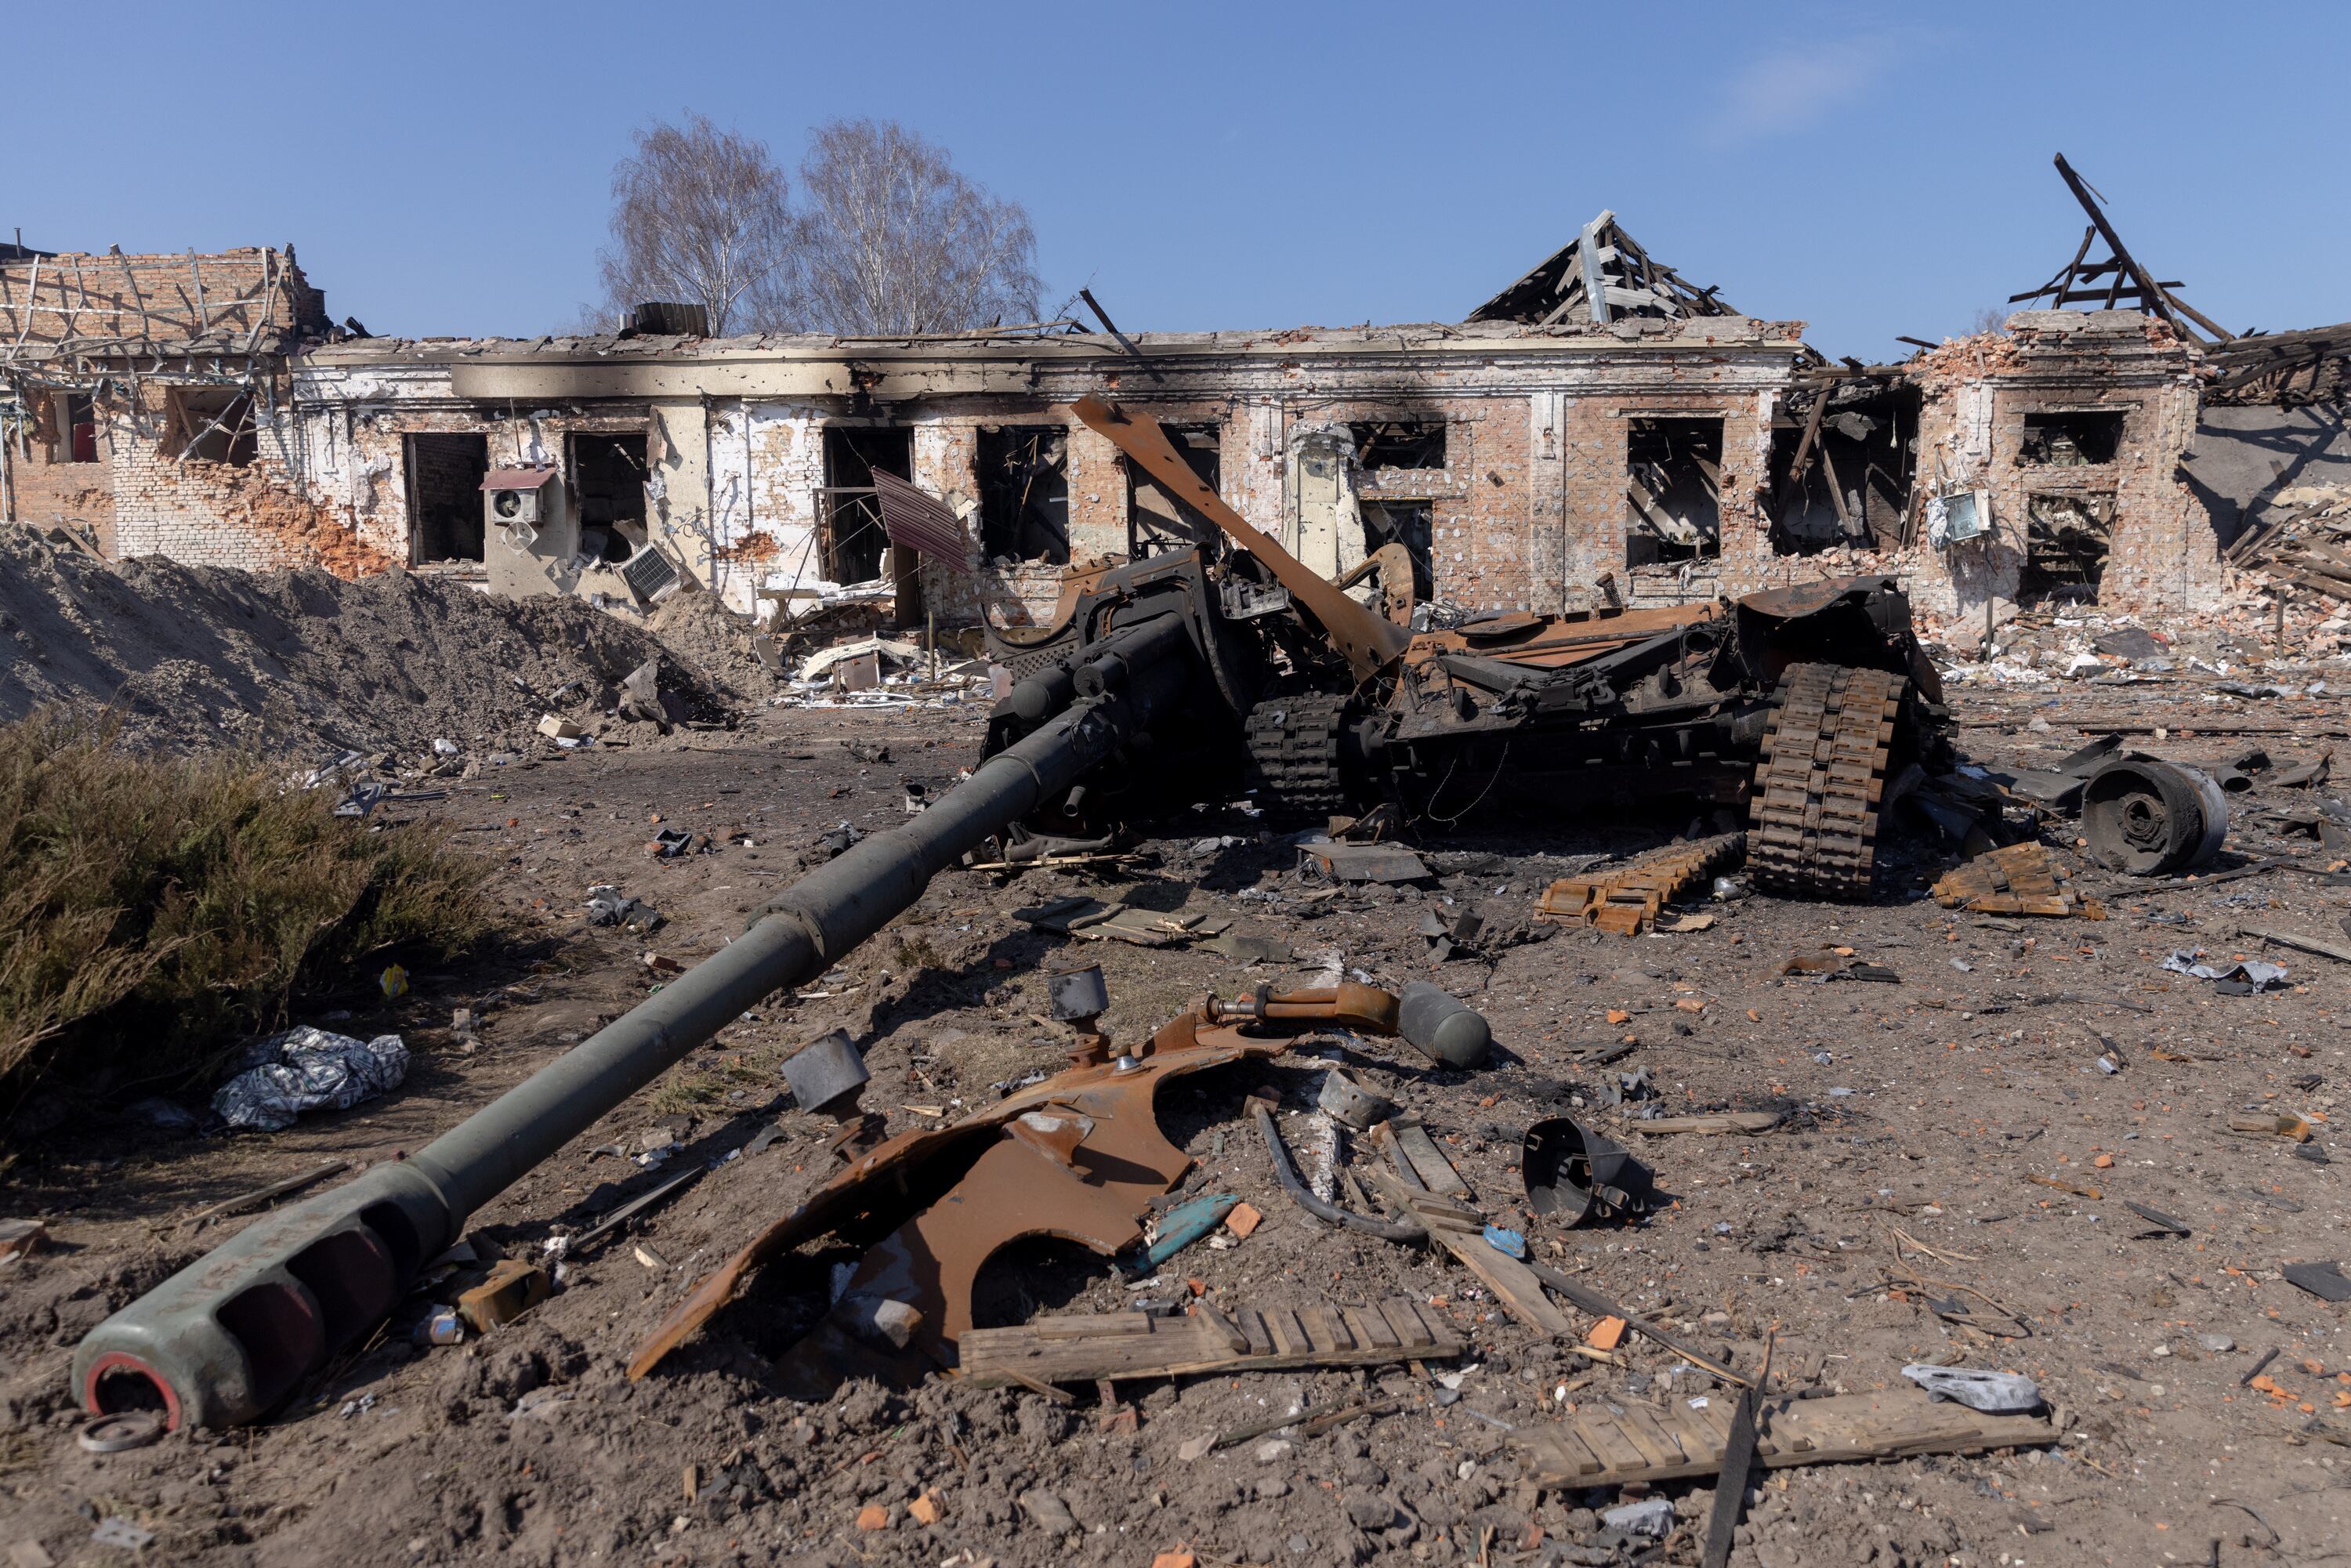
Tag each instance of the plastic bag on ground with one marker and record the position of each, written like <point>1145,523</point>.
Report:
<point>1993,1393</point>
<point>309,1069</point>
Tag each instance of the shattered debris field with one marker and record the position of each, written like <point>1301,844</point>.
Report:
<point>1999,1142</point>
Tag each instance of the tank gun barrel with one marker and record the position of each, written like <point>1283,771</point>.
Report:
<point>226,1339</point>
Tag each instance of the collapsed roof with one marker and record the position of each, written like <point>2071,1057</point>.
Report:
<point>1600,276</point>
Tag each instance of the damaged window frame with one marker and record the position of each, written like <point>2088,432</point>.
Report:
<point>2056,568</point>
<point>1650,484</point>
<point>620,535</point>
<point>442,524</point>
<point>2071,437</point>
<point>73,413</point>
<point>1867,482</point>
<point>1409,445</point>
<point>851,513</point>
<point>210,425</point>
<point>1023,475</point>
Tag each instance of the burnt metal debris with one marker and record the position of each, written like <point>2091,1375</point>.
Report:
<point>1578,1173</point>
<point>1079,1155</point>
<point>227,1338</point>
<point>2147,817</point>
<point>1797,703</point>
<point>1176,677</point>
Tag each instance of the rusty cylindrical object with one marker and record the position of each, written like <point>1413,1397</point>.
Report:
<point>224,1340</point>
<point>2146,817</point>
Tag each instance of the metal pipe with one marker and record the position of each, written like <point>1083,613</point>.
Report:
<point>226,1338</point>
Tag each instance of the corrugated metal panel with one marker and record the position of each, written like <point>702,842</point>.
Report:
<point>516,478</point>
<point>921,522</point>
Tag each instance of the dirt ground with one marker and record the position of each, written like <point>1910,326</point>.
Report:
<point>1920,1107</point>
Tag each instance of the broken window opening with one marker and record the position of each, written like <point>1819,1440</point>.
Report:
<point>1411,524</point>
<point>1157,521</point>
<point>607,493</point>
<point>2086,438</point>
<point>76,425</point>
<point>1398,442</point>
<point>211,425</point>
<point>1854,484</point>
<point>445,470</point>
<point>1024,493</point>
<point>2066,540</point>
<point>856,547</point>
<point>1672,489</point>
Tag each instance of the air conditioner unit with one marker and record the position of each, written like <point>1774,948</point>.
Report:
<point>515,505</point>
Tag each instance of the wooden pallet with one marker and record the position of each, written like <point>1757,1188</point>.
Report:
<point>1113,1346</point>
<point>1599,1447</point>
<point>1624,900</point>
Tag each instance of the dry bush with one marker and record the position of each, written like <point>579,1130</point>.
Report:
<point>156,911</point>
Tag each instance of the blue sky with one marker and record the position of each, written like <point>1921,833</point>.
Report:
<point>1874,170</point>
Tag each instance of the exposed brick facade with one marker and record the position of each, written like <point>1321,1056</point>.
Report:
<point>1529,507</point>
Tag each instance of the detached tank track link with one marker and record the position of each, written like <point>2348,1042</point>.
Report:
<point>1818,784</point>
<point>1293,746</point>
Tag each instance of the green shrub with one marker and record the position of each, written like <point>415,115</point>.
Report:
<point>157,911</point>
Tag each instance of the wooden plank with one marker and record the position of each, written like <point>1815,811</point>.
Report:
<point>1370,1328</point>
<point>1428,1162</point>
<point>1223,1327</point>
<point>2297,941</point>
<point>1568,1454</point>
<point>1713,1424</point>
<point>1323,1329</point>
<point>1891,1423</point>
<point>1093,1327</point>
<point>1657,1445</point>
<point>1182,1346</point>
<point>1616,1450</point>
<point>1507,1277</point>
<point>1409,1329</point>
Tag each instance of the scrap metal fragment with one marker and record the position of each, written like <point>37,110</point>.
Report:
<point>2019,879</point>
<point>1624,900</point>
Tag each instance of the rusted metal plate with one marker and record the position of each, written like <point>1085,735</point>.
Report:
<point>1368,643</point>
<point>1122,1159</point>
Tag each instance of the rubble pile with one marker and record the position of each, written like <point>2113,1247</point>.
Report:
<point>306,665</point>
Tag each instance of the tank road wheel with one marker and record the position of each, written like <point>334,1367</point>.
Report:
<point>1813,815</point>
<point>1293,746</point>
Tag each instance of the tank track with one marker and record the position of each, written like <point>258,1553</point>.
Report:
<point>1293,746</point>
<point>1818,784</point>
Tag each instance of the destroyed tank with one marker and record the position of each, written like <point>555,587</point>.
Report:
<point>1794,708</point>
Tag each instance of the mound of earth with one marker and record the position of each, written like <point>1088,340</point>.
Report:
<point>303,663</point>
<point>700,629</point>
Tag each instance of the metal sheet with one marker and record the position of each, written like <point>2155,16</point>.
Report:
<point>921,522</point>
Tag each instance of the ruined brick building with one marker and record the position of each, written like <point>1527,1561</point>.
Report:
<point>1601,431</point>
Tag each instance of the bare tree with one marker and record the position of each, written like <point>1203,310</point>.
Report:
<point>1991,319</point>
<point>701,215</point>
<point>891,239</point>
